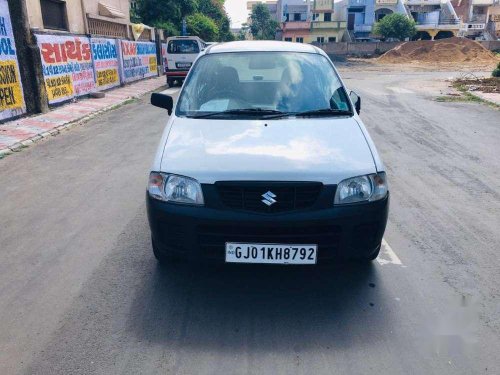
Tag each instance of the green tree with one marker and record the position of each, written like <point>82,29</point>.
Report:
<point>396,26</point>
<point>202,26</point>
<point>262,26</point>
<point>156,12</point>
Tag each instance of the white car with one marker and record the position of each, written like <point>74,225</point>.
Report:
<point>264,159</point>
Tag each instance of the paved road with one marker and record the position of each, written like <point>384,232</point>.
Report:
<point>80,292</point>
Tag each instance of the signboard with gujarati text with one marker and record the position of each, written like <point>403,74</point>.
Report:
<point>105,53</point>
<point>67,66</point>
<point>11,90</point>
<point>138,60</point>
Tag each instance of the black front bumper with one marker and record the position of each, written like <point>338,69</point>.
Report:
<point>201,232</point>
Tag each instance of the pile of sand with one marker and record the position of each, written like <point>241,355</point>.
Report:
<point>451,50</point>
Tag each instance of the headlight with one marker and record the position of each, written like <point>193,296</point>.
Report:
<point>362,189</point>
<point>173,188</point>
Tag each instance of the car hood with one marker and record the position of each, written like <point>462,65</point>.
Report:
<point>327,150</point>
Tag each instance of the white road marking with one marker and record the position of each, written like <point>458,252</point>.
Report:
<point>400,90</point>
<point>171,91</point>
<point>388,256</point>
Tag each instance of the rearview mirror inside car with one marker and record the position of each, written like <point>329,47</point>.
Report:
<point>162,101</point>
<point>356,100</point>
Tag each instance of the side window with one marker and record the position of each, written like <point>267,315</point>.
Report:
<point>54,14</point>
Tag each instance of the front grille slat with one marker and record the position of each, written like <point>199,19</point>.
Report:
<point>290,196</point>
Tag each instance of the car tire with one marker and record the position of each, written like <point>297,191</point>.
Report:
<point>372,256</point>
<point>170,82</point>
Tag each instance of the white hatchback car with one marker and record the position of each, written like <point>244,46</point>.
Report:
<point>264,159</point>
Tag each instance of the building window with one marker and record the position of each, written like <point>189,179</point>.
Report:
<point>328,17</point>
<point>332,39</point>
<point>316,17</point>
<point>299,39</point>
<point>320,39</point>
<point>54,14</point>
<point>296,16</point>
<point>288,39</point>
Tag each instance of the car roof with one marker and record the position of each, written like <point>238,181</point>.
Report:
<point>262,46</point>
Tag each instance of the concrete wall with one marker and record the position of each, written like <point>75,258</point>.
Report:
<point>357,49</point>
<point>73,9</point>
<point>91,6</point>
<point>75,12</point>
<point>368,48</point>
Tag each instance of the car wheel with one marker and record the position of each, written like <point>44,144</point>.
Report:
<point>170,82</point>
<point>371,257</point>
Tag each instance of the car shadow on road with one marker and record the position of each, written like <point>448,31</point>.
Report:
<point>278,308</point>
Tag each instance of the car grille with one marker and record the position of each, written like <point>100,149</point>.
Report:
<point>212,238</point>
<point>289,196</point>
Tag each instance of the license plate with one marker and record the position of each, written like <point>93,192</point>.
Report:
<point>270,253</point>
<point>183,65</point>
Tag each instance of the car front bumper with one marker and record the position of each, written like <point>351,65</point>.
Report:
<point>199,232</point>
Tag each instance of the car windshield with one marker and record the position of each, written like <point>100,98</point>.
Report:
<point>183,46</point>
<point>262,84</point>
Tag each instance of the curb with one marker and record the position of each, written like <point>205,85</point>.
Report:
<point>16,147</point>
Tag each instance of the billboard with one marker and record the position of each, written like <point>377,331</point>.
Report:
<point>11,89</point>
<point>138,60</point>
<point>67,66</point>
<point>105,53</point>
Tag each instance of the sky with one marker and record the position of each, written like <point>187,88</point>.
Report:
<point>237,10</point>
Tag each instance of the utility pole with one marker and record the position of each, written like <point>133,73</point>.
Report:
<point>28,56</point>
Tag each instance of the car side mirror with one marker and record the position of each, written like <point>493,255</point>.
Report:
<point>162,101</point>
<point>356,100</point>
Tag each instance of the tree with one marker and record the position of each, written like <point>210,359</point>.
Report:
<point>168,15</point>
<point>202,26</point>
<point>262,26</point>
<point>396,26</point>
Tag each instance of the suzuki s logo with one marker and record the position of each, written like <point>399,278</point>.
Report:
<point>269,198</point>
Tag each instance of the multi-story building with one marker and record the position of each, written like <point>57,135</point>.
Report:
<point>328,21</point>
<point>295,20</point>
<point>479,18</point>
<point>435,19</point>
<point>104,18</point>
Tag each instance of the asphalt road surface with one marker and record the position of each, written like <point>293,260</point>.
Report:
<point>80,291</point>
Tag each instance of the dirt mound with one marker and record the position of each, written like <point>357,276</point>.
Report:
<point>451,50</point>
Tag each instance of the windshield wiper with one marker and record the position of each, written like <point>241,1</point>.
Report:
<point>324,112</point>
<point>241,111</point>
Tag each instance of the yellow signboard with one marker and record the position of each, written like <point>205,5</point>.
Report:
<point>152,64</point>
<point>11,95</point>
<point>59,87</point>
<point>107,77</point>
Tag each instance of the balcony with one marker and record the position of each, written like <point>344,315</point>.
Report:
<point>329,25</point>
<point>357,3</point>
<point>295,25</point>
<point>362,28</point>
<point>482,2</point>
<point>443,24</point>
<point>423,2</point>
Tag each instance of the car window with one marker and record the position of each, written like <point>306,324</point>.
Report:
<point>183,46</point>
<point>285,82</point>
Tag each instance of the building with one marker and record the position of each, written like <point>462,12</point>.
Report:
<point>435,19</point>
<point>479,18</point>
<point>109,18</point>
<point>295,20</point>
<point>328,21</point>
